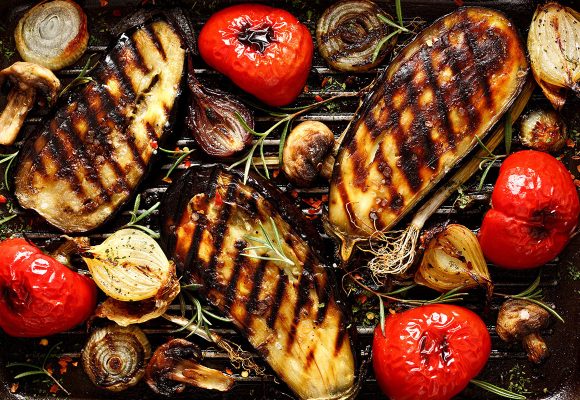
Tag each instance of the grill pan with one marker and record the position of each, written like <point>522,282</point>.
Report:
<point>557,378</point>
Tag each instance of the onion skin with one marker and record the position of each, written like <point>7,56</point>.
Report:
<point>212,121</point>
<point>554,52</point>
<point>52,34</point>
<point>115,357</point>
<point>453,258</point>
<point>348,34</point>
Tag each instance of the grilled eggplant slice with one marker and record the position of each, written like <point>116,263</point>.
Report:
<point>451,84</point>
<point>86,161</point>
<point>289,313</point>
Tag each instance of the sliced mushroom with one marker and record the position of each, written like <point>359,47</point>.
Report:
<point>522,320</point>
<point>307,153</point>
<point>174,365</point>
<point>26,80</point>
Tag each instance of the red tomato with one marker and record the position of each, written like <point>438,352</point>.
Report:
<point>263,50</point>
<point>535,209</point>
<point>38,295</point>
<point>429,352</point>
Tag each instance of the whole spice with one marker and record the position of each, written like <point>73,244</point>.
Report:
<point>543,130</point>
<point>453,259</point>
<point>349,32</point>
<point>554,51</point>
<point>115,357</point>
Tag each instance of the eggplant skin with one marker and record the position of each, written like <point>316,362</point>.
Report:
<point>451,84</point>
<point>290,313</point>
<point>87,160</point>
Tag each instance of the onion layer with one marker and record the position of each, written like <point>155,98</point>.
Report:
<point>129,266</point>
<point>52,34</point>
<point>348,34</point>
<point>114,357</point>
<point>554,48</point>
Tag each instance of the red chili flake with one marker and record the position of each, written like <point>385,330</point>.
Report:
<point>325,81</point>
<point>54,388</point>
<point>311,211</point>
<point>49,370</point>
<point>311,217</point>
<point>75,364</point>
<point>306,89</point>
<point>14,387</point>
<point>229,371</point>
<point>167,179</point>
<point>218,199</point>
<point>318,98</point>
<point>294,193</point>
<point>116,12</point>
<point>459,3</point>
<point>3,199</point>
<point>104,3</point>
<point>570,143</point>
<point>275,173</point>
<point>324,198</point>
<point>154,144</point>
<point>577,182</point>
<point>362,299</point>
<point>63,362</point>
<point>392,312</point>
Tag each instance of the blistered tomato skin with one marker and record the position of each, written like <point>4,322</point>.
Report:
<point>266,51</point>
<point>430,352</point>
<point>535,209</point>
<point>38,295</point>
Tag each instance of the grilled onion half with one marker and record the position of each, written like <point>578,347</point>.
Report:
<point>348,34</point>
<point>115,357</point>
<point>554,48</point>
<point>53,34</point>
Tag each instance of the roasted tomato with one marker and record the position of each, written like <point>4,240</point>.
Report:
<point>263,50</point>
<point>430,352</point>
<point>535,209</point>
<point>38,295</point>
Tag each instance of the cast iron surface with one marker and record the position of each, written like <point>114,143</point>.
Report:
<point>558,378</point>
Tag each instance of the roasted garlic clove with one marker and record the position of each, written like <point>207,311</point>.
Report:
<point>26,80</point>
<point>174,366</point>
<point>114,357</point>
<point>543,130</point>
<point>521,320</point>
<point>453,259</point>
<point>305,152</point>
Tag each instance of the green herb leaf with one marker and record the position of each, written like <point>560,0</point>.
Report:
<point>82,77</point>
<point>274,246</point>
<point>7,158</point>
<point>508,132</point>
<point>382,316</point>
<point>399,11</point>
<point>136,217</point>
<point>497,390</point>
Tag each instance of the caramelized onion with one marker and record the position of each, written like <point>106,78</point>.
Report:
<point>348,34</point>
<point>115,357</point>
<point>53,34</point>
<point>554,48</point>
<point>212,119</point>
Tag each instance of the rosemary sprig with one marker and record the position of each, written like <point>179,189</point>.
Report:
<point>286,116</point>
<point>486,163</point>
<point>534,295</point>
<point>7,158</point>
<point>11,214</point>
<point>178,155</point>
<point>272,245</point>
<point>82,77</point>
<point>136,217</point>
<point>38,370</point>
<point>398,28</point>
<point>508,132</point>
<point>497,390</point>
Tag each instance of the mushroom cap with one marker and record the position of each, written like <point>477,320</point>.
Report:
<point>519,318</point>
<point>25,75</point>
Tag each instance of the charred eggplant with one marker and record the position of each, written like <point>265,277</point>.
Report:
<point>451,84</point>
<point>281,297</point>
<point>86,161</point>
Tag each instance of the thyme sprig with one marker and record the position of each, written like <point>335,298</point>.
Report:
<point>7,158</point>
<point>11,214</point>
<point>286,117</point>
<point>38,370</point>
<point>497,390</point>
<point>534,295</point>
<point>81,78</point>
<point>178,155</point>
<point>273,245</point>
<point>136,216</point>
<point>487,162</point>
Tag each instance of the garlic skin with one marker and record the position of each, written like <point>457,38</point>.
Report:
<point>129,266</point>
<point>554,51</point>
<point>453,259</point>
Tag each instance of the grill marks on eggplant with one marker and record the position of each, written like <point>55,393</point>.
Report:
<point>79,168</point>
<point>453,82</point>
<point>288,313</point>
